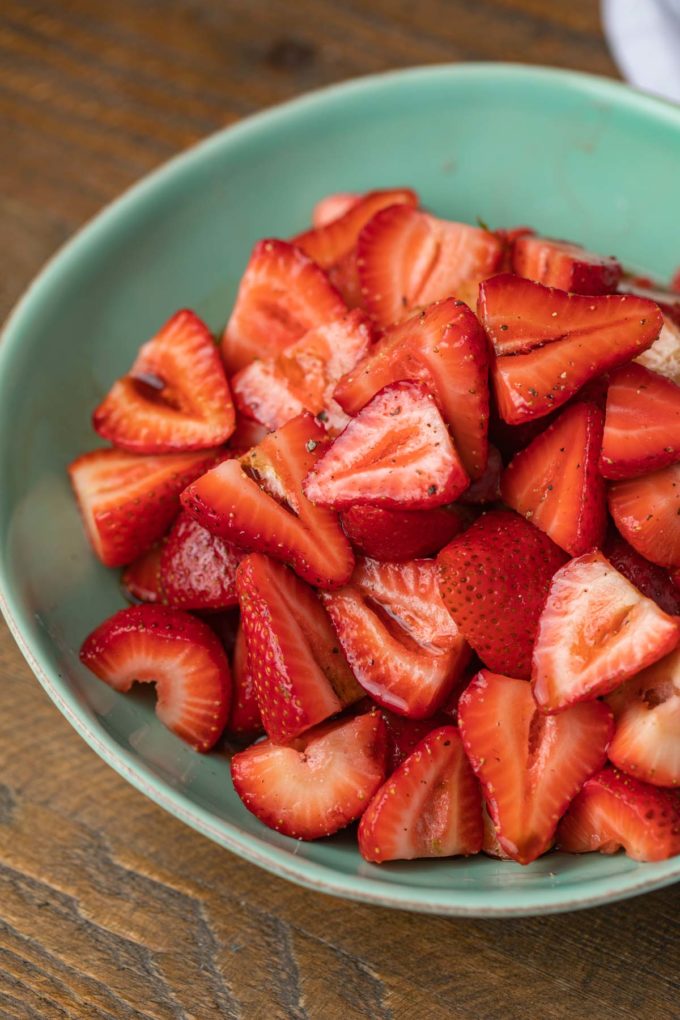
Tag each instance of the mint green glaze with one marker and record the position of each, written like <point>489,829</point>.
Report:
<point>574,156</point>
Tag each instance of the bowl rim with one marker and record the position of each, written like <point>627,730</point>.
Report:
<point>277,860</point>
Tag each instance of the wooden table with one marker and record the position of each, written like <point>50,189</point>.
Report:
<point>110,908</point>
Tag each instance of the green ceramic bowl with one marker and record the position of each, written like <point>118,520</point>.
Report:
<point>574,156</point>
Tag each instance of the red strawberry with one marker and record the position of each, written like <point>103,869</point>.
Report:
<point>494,579</point>
<point>304,375</point>
<point>332,207</point>
<point>248,433</point>
<point>176,652</point>
<point>647,513</point>
<point>318,783</point>
<point>282,295</point>
<point>245,718</point>
<point>490,844</point>
<point>444,348</point>
<point>430,806</point>
<point>257,502</point>
<point>128,502</point>
<point>175,397</point>
<point>564,265</point>
<point>404,735</point>
<point>642,427</point>
<point>402,645</point>
<point>555,481</point>
<point>651,580</point>
<point>400,535</point>
<point>141,580</point>
<point>663,357</point>
<point>300,674</point>
<point>396,454</point>
<point>408,258</point>
<point>667,300</point>
<point>487,488</point>
<point>596,631</point>
<point>198,569</point>
<point>549,343</point>
<point>614,810</point>
<point>530,765</point>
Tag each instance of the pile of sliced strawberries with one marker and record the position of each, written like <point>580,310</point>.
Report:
<point>415,522</point>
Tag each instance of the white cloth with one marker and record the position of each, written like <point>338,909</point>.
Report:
<point>644,37</point>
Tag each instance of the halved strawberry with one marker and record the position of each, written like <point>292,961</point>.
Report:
<point>642,427</point>
<point>404,735</point>
<point>282,294</point>
<point>304,375</point>
<point>141,580</point>
<point>408,258</point>
<point>595,631</point>
<point>175,397</point>
<point>198,569</point>
<point>245,718</point>
<point>300,673</point>
<point>494,579</point>
<point>396,454</point>
<point>663,357</point>
<point>530,765</point>
<point>318,783</point>
<point>257,502</point>
<point>647,513</point>
<point>177,653</point>
<point>248,433</point>
<point>444,348</point>
<point>399,535</point>
<point>651,580</point>
<point>487,488</point>
<point>555,481</point>
<point>614,810</point>
<point>404,648</point>
<point>128,501</point>
<point>642,286</point>
<point>430,806</point>
<point>564,265</point>
<point>332,207</point>
<point>548,343</point>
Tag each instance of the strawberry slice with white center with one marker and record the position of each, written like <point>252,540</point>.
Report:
<point>396,454</point>
<point>555,482</point>
<point>663,357</point>
<point>128,501</point>
<point>596,631</point>
<point>300,673</point>
<point>647,513</point>
<point>614,810</point>
<point>332,207</point>
<point>564,265</point>
<point>176,652</point>
<point>395,536</point>
<point>257,503</point>
<point>198,569</point>
<point>282,295</point>
<point>402,645</point>
<point>646,743</point>
<point>245,719</point>
<point>444,348</point>
<point>175,397</point>
<point>642,427</point>
<point>430,806</point>
<point>530,765</point>
<point>141,580</point>
<point>317,784</point>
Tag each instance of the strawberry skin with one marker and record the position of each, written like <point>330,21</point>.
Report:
<point>245,719</point>
<point>175,397</point>
<point>494,579</point>
<point>404,735</point>
<point>614,810</point>
<point>530,766</point>
<point>179,654</point>
<point>563,265</point>
<point>318,783</point>
<point>646,511</point>
<point>198,569</point>
<point>141,580</point>
<point>127,501</point>
<point>395,536</point>
<point>595,631</point>
<point>487,488</point>
<point>652,581</point>
<point>429,807</point>
<point>642,427</point>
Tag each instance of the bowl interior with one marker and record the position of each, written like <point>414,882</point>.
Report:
<point>573,156</point>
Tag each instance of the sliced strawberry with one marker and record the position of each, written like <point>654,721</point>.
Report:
<point>548,343</point>
<point>614,810</point>
<point>530,765</point>
<point>127,501</point>
<point>282,295</point>
<point>430,806</point>
<point>555,481</point>
<point>490,843</point>
<point>564,265</point>
<point>663,357</point>
<point>304,375</point>
<point>444,348</point>
<point>257,502</point>
<point>667,300</point>
<point>404,648</point>
<point>177,653</point>
<point>404,735</point>
<point>399,535</point>
<point>647,513</point>
<point>642,427</point>
<point>245,718</point>
<point>596,631</point>
<point>396,454</point>
<point>332,207</point>
<point>408,258</point>
<point>198,569</point>
<point>651,580</point>
<point>175,397</point>
<point>248,433</point>
<point>494,579</point>
<point>141,580</point>
<point>646,708</point>
<point>318,783</point>
<point>487,488</point>
<point>300,673</point>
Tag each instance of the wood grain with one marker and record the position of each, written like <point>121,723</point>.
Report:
<point>109,908</point>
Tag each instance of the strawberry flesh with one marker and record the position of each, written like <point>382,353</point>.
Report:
<point>642,426</point>
<point>198,569</point>
<point>141,579</point>
<point>332,207</point>
<point>245,719</point>
<point>564,265</point>
<point>651,580</point>
<point>646,511</point>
